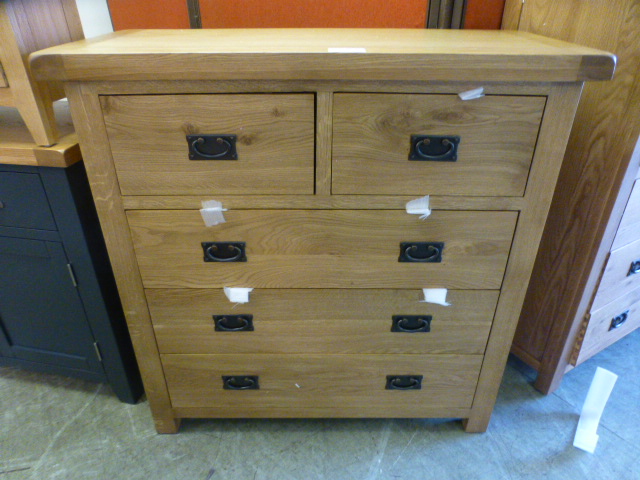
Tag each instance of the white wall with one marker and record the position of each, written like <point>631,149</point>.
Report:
<point>95,17</point>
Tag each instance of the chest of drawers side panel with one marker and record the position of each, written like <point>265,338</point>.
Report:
<point>91,131</point>
<point>554,134</point>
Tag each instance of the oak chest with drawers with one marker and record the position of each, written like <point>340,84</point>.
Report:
<point>314,141</point>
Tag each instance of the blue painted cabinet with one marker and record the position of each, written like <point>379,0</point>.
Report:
<point>59,308</point>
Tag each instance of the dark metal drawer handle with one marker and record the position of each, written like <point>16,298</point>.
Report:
<point>634,268</point>
<point>424,252</point>
<point>411,323</point>
<point>224,251</point>
<point>233,323</point>
<point>212,147</point>
<point>240,382</point>
<point>404,382</point>
<point>619,320</point>
<point>435,148</point>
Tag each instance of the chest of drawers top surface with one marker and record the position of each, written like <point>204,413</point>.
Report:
<point>313,54</point>
<point>329,134</point>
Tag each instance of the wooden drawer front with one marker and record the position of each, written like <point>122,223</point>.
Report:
<point>24,202</point>
<point>629,228</point>
<point>322,385</point>
<point>3,78</point>
<point>617,280</point>
<point>602,331</point>
<point>275,143</point>
<point>321,321</point>
<point>322,249</point>
<point>371,143</point>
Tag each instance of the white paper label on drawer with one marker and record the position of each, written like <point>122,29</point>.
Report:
<point>586,437</point>
<point>347,50</point>
<point>472,94</point>
<point>419,206</point>
<point>212,213</point>
<point>435,295</point>
<point>237,295</point>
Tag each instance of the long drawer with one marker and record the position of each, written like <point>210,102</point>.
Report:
<point>321,321</point>
<point>274,143</point>
<point>323,249</point>
<point>373,148</point>
<point>321,385</point>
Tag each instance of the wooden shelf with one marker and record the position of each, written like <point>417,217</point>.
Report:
<point>18,148</point>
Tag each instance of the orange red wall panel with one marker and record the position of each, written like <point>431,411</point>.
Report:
<point>483,14</point>
<point>126,14</point>
<point>314,13</point>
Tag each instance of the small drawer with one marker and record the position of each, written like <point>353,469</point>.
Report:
<point>322,385</point>
<point>23,202</point>
<point>321,321</point>
<point>322,249</point>
<point>3,78</point>
<point>629,228</point>
<point>375,149</point>
<point>609,324</point>
<point>621,275</point>
<point>185,144</point>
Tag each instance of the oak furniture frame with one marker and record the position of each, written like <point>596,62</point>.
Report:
<point>103,78</point>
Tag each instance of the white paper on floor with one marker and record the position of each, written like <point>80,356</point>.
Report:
<point>601,386</point>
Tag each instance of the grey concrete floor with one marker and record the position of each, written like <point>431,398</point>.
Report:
<point>59,428</point>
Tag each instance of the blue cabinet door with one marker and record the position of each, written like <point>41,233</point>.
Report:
<point>42,318</point>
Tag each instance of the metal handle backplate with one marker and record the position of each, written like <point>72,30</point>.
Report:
<point>421,252</point>
<point>240,382</point>
<point>434,148</point>
<point>404,382</point>
<point>212,147</point>
<point>233,323</point>
<point>224,251</point>
<point>618,320</point>
<point>411,323</point>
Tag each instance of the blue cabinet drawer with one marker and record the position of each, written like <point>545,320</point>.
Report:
<point>23,202</point>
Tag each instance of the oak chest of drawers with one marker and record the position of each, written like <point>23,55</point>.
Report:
<point>314,141</point>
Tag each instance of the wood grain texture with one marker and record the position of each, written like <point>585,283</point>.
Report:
<point>206,87</point>
<point>511,14</point>
<point>341,245</point>
<point>3,78</point>
<point>584,214</point>
<point>30,98</point>
<point>86,111</point>
<point>18,148</point>
<point>391,54</point>
<point>629,228</point>
<point>321,385</point>
<point>554,133</point>
<point>27,26</point>
<point>275,143</point>
<point>322,249</point>
<point>318,202</point>
<point>598,334</point>
<point>324,139</point>
<point>371,133</point>
<point>617,279</point>
<point>321,321</point>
